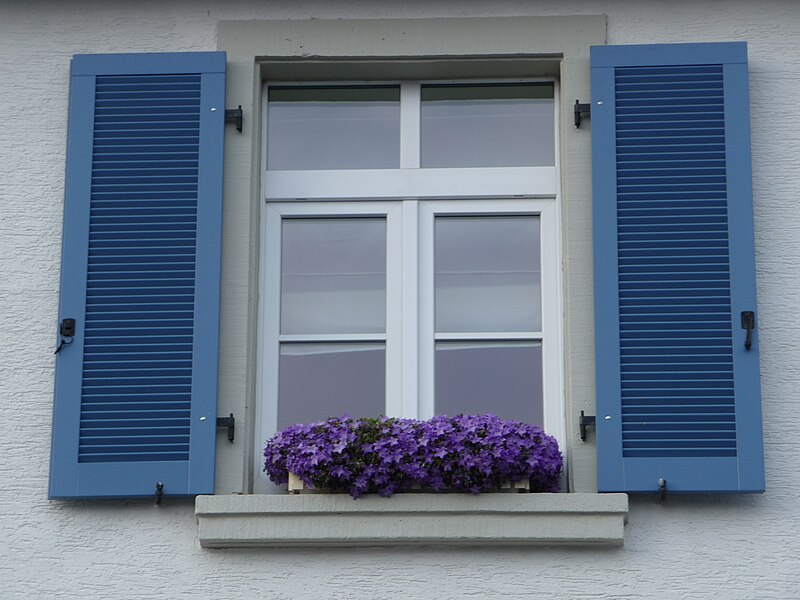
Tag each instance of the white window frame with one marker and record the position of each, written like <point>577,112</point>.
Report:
<point>409,180</point>
<point>409,198</point>
<point>550,334</point>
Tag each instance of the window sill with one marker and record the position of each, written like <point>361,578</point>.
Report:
<point>411,519</point>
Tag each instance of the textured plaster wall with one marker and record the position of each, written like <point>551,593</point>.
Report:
<point>727,547</point>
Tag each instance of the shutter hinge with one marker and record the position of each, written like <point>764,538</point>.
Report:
<point>230,423</point>
<point>234,115</point>
<point>584,422</point>
<point>159,492</point>
<point>582,110</point>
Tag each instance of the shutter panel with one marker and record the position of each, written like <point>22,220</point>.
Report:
<point>677,392</point>
<point>135,391</point>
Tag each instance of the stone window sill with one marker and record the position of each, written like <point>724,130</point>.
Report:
<point>316,520</point>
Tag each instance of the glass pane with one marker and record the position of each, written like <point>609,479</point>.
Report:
<point>502,378</point>
<point>333,276</point>
<point>333,127</point>
<point>317,381</point>
<point>487,274</point>
<point>492,125</point>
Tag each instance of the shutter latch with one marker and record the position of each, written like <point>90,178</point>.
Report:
<point>230,423</point>
<point>582,110</point>
<point>234,115</point>
<point>749,323</point>
<point>67,331</point>
<point>584,422</point>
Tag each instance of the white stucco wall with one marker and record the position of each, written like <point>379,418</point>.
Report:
<point>729,547</point>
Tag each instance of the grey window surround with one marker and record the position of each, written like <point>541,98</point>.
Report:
<point>383,50</point>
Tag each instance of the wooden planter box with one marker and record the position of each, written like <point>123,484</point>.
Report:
<point>297,486</point>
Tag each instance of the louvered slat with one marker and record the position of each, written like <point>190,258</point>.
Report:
<point>653,142</point>
<point>123,225</point>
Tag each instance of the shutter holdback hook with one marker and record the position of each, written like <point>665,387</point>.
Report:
<point>662,490</point>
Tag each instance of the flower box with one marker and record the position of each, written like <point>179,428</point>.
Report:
<point>466,453</point>
<point>295,485</point>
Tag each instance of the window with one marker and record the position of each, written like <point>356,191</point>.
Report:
<point>105,414</point>
<point>410,262</point>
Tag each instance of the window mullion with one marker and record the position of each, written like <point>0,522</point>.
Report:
<point>425,328</point>
<point>395,247</point>
<point>410,309</point>
<point>410,98</point>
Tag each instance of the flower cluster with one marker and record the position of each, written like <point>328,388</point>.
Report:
<point>470,453</point>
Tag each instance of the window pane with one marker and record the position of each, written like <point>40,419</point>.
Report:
<point>333,127</point>
<point>493,125</point>
<point>502,378</point>
<point>317,381</point>
<point>333,276</point>
<point>487,274</point>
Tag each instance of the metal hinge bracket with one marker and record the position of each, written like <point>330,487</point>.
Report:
<point>234,115</point>
<point>230,423</point>
<point>582,110</point>
<point>584,422</point>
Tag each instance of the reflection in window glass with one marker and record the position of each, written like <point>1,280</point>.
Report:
<point>502,378</point>
<point>333,127</point>
<point>488,274</point>
<point>318,381</point>
<point>333,276</point>
<point>487,125</point>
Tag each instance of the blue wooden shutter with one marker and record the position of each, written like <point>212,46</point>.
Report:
<point>677,392</point>
<point>135,390</point>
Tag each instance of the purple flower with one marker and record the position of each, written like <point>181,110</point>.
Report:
<point>470,453</point>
